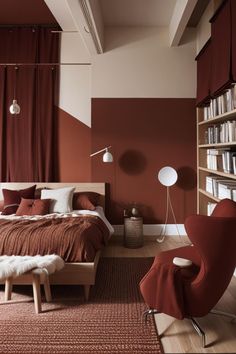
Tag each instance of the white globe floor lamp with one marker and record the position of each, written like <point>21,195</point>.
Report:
<point>167,176</point>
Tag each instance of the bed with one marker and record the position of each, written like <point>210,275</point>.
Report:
<point>76,272</point>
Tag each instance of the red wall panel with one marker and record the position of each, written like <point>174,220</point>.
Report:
<point>74,142</point>
<point>145,134</point>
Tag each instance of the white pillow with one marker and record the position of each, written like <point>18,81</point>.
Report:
<point>61,199</point>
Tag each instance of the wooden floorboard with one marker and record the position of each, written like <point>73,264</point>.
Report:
<point>179,336</point>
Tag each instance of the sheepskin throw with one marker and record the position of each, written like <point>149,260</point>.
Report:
<point>13,266</point>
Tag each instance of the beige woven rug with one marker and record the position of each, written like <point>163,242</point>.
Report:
<point>111,322</point>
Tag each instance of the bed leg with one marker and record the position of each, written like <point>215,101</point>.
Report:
<point>86,292</point>
<point>8,289</point>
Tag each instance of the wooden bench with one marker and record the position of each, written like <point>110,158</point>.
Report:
<point>36,276</point>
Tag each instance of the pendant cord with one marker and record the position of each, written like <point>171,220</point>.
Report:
<point>16,72</point>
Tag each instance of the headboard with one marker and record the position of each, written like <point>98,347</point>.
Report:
<point>79,187</point>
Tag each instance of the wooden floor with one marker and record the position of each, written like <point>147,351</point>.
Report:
<point>179,336</point>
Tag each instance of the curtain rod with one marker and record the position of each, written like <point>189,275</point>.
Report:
<point>29,25</point>
<point>41,64</point>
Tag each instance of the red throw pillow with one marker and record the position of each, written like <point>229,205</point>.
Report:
<point>85,200</point>
<point>12,198</point>
<point>33,207</point>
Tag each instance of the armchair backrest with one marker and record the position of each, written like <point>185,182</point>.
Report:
<point>226,207</point>
<point>215,240</point>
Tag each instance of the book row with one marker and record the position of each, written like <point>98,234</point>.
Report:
<point>223,160</point>
<point>210,207</point>
<point>221,188</point>
<point>221,104</point>
<point>221,133</point>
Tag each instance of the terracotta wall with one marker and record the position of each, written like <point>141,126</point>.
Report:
<point>146,134</point>
<point>74,142</point>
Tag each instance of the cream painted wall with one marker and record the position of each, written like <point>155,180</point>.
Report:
<point>204,26</point>
<point>75,80</point>
<point>138,62</point>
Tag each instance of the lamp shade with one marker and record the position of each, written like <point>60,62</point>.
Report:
<point>107,157</point>
<point>14,107</point>
<point>167,176</point>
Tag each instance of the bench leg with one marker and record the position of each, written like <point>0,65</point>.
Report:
<point>8,289</point>
<point>86,292</point>
<point>47,289</point>
<point>37,293</point>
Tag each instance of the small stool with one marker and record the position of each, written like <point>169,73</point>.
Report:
<point>36,277</point>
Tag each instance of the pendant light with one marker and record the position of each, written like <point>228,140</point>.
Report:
<point>14,107</point>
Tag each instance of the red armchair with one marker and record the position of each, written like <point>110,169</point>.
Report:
<point>193,291</point>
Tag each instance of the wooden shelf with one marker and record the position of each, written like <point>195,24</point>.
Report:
<point>218,173</point>
<point>209,195</point>
<point>220,118</point>
<point>217,145</point>
<point>204,197</point>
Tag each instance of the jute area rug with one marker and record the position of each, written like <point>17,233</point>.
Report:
<point>111,322</point>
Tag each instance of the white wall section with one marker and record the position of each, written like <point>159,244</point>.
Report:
<point>204,27</point>
<point>138,62</point>
<point>75,80</point>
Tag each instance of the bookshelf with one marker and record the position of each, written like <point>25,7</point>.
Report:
<point>215,159</point>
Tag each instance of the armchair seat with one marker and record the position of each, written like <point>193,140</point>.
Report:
<point>164,274</point>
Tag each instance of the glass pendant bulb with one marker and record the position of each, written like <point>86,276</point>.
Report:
<point>14,107</point>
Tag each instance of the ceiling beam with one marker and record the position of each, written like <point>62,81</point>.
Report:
<point>61,12</point>
<point>181,15</point>
<point>82,16</point>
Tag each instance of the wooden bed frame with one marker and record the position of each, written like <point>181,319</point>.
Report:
<point>81,273</point>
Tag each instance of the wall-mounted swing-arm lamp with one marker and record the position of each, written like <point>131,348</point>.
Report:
<point>107,157</point>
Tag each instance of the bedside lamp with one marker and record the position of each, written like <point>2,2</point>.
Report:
<point>107,156</point>
<point>167,176</point>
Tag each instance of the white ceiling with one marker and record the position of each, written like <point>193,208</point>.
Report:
<point>91,17</point>
<point>137,12</point>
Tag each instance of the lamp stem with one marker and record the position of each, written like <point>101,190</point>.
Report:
<point>162,235</point>
<point>172,210</point>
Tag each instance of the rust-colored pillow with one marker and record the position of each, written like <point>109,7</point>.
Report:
<point>33,207</point>
<point>85,200</point>
<point>1,205</point>
<point>12,198</point>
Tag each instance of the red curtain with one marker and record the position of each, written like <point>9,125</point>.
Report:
<point>233,21</point>
<point>221,48</point>
<point>204,62</point>
<point>28,140</point>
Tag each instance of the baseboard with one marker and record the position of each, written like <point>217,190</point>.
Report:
<point>155,229</point>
